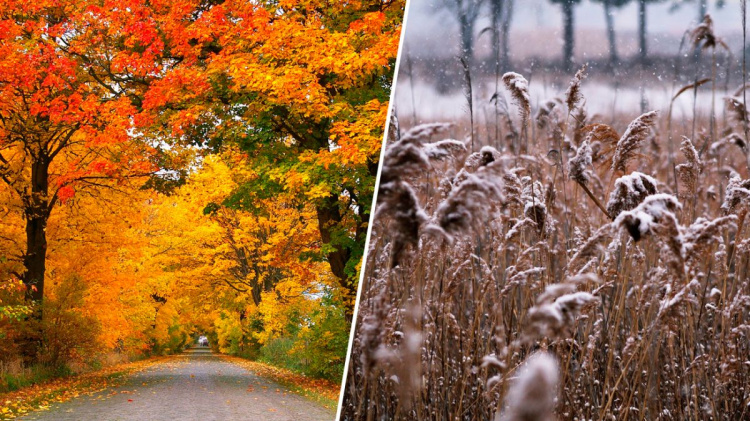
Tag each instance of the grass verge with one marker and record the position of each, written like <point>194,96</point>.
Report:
<point>40,396</point>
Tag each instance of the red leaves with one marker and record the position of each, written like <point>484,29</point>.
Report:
<point>65,193</point>
<point>371,23</point>
<point>8,29</point>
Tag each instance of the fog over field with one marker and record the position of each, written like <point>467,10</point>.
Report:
<point>432,45</point>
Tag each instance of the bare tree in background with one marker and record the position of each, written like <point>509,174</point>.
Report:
<point>703,6</point>
<point>497,9</point>
<point>642,45</point>
<point>642,30</point>
<point>568,7</point>
<point>702,9</point>
<point>507,17</point>
<point>466,12</point>
<point>609,6</point>
<point>501,13</point>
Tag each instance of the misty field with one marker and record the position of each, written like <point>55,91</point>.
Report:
<point>562,265</point>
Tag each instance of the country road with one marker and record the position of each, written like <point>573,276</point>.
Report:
<point>197,385</point>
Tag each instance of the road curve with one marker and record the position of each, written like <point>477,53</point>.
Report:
<point>197,385</point>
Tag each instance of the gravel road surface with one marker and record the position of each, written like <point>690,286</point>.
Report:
<point>197,385</point>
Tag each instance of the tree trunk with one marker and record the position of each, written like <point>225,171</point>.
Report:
<point>505,49</point>
<point>467,36</point>
<point>568,47</point>
<point>702,9</point>
<point>329,217</point>
<point>613,59</point>
<point>497,19</point>
<point>643,52</point>
<point>37,213</point>
<point>340,245</point>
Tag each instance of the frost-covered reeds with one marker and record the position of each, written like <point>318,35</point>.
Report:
<point>627,298</point>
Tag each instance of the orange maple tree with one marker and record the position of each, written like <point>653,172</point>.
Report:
<point>301,87</point>
<point>62,127</point>
<point>171,167</point>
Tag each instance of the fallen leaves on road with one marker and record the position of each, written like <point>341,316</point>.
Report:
<point>40,396</point>
<point>324,388</point>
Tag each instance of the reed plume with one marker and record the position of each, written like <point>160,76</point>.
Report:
<point>702,36</point>
<point>637,132</point>
<point>518,87</point>
<point>648,215</point>
<point>737,197</point>
<point>532,396</point>
<point>690,170</point>
<point>630,190</point>
<point>574,96</point>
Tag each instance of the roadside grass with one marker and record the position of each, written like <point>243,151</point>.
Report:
<point>12,380</point>
<point>41,395</point>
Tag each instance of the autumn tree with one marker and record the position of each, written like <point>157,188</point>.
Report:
<point>254,278</point>
<point>173,165</point>
<point>62,129</point>
<point>301,87</point>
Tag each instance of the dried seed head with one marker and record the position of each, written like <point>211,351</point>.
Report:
<point>580,117</point>
<point>574,96</point>
<point>730,139</point>
<point>737,197</point>
<point>474,200</point>
<point>473,162</point>
<point>555,319</point>
<point>512,187</point>
<point>600,136</point>
<point>600,132</point>
<point>488,155</point>
<point>550,113</point>
<point>518,87</point>
<point>637,132</point>
<point>534,204</point>
<point>702,36</point>
<point>648,215</point>
<point>402,160</point>
<point>580,163</point>
<point>370,331</point>
<point>736,112</point>
<point>398,200</point>
<point>689,171</point>
<point>704,233</point>
<point>630,190</point>
<point>422,132</point>
<point>532,396</point>
<point>443,149</point>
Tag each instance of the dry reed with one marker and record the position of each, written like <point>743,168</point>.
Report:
<point>514,303</point>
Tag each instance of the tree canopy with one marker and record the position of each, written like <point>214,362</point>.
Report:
<point>176,166</point>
